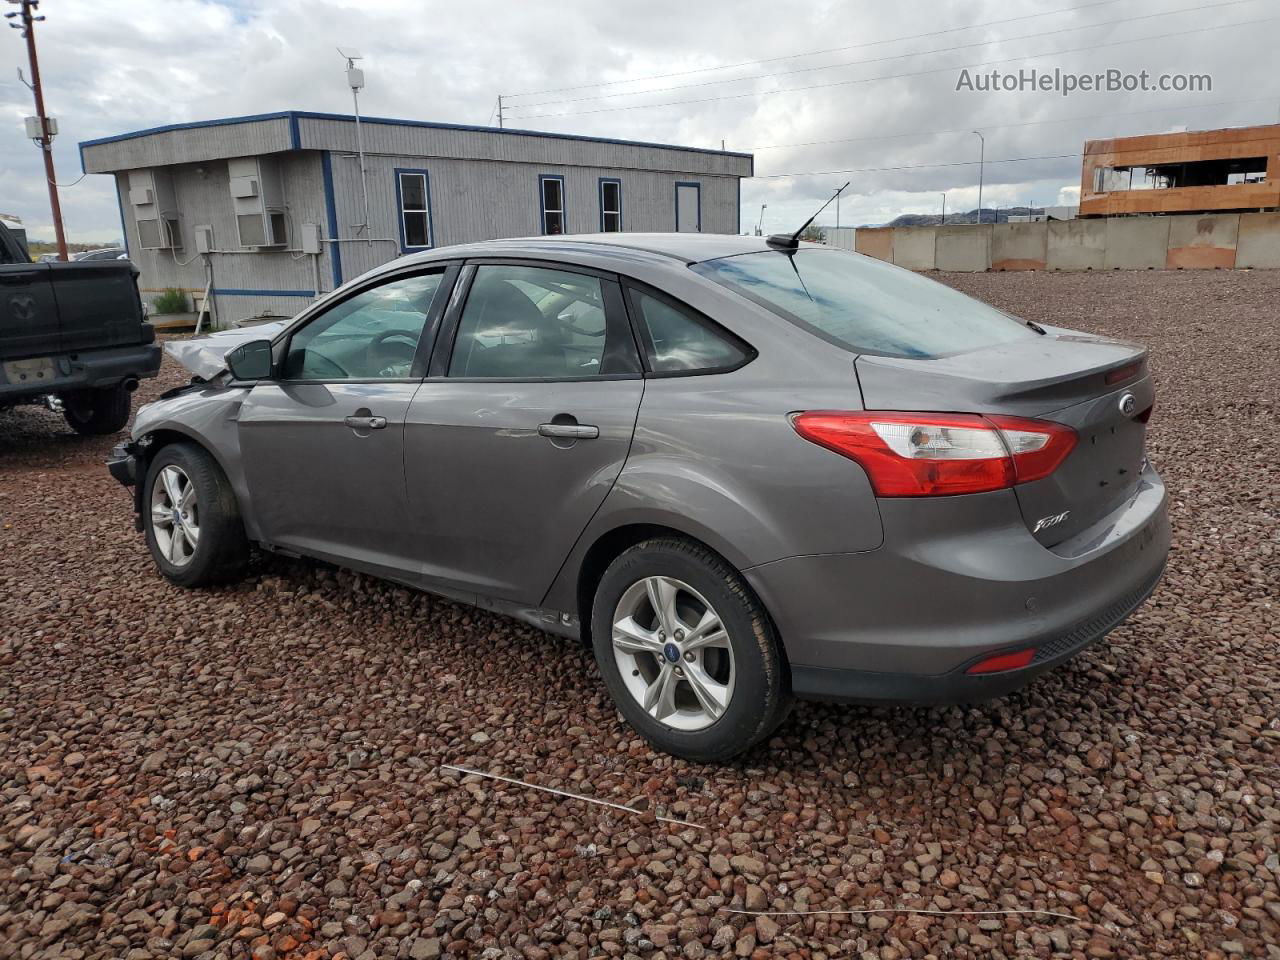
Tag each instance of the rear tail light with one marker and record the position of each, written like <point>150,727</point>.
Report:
<point>1121,374</point>
<point>933,454</point>
<point>1004,661</point>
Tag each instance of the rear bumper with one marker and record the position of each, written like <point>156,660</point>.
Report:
<point>959,579</point>
<point>89,369</point>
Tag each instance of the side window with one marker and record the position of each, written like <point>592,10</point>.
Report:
<point>537,322</point>
<point>552,201</point>
<point>370,336</point>
<point>610,205</point>
<point>678,341</point>
<point>414,193</point>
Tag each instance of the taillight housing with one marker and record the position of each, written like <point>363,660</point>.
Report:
<point>937,454</point>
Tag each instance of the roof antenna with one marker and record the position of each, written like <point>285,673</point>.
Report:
<point>783,241</point>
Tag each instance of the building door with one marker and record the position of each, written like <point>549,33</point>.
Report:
<point>688,207</point>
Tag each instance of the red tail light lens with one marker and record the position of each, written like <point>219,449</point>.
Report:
<point>1004,661</point>
<point>1121,374</point>
<point>935,454</point>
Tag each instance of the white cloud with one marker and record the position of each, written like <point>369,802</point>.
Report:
<point>130,64</point>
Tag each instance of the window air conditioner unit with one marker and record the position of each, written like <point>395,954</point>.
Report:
<point>155,209</point>
<point>257,198</point>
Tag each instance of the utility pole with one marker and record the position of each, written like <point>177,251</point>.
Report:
<point>944,208</point>
<point>26,21</point>
<point>355,80</point>
<point>982,156</point>
<point>760,222</point>
<point>499,111</point>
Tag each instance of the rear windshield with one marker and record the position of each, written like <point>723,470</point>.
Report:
<point>864,305</point>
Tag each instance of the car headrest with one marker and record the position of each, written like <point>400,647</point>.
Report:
<point>500,304</point>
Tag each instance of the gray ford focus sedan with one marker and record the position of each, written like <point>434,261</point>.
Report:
<point>744,470</point>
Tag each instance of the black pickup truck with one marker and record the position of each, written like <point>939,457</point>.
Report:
<point>72,335</point>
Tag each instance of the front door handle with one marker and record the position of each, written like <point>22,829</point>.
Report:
<point>365,423</point>
<point>569,431</point>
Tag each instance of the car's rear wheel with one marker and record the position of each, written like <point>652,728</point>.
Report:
<point>97,411</point>
<point>687,651</point>
<point>192,519</point>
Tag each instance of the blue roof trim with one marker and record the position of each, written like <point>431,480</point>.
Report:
<point>331,217</point>
<point>293,116</point>
<point>124,229</point>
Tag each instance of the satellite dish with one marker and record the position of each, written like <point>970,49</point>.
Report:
<point>351,53</point>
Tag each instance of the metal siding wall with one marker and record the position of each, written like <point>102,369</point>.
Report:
<point>206,199</point>
<point>475,200</point>
<point>189,146</point>
<point>339,135</point>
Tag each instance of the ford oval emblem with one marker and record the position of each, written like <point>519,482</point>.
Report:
<point>1128,404</point>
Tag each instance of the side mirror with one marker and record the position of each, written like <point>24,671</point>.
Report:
<point>250,361</point>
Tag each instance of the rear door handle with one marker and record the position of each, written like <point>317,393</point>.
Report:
<point>569,431</point>
<point>365,423</point>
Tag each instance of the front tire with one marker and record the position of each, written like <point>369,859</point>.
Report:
<point>687,651</point>
<point>192,520</point>
<point>97,411</point>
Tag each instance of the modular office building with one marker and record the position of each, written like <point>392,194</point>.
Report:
<point>270,211</point>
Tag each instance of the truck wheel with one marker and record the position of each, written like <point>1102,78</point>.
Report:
<point>688,652</point>
<point>97,411</point>
<point>192,519</point>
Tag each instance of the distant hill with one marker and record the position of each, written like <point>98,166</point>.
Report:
<point>989,215</point>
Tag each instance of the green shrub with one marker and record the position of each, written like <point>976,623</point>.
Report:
<point>171,301</point>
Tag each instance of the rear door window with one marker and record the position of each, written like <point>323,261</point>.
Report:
<point>525,322</point>
<point>865,305</point>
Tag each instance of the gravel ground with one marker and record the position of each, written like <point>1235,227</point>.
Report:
<point>255,771</point>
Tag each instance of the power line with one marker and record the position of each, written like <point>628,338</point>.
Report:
<point>1079,154</point>
<point>815,53</point>
<point>898,76</point>
<point>1005,126</point>
<point>896,56</point>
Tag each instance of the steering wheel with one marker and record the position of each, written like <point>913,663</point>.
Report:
<point>312,359</point>
<point>378,356</point>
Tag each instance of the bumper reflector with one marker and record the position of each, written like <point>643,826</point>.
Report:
<point>1004,661</point>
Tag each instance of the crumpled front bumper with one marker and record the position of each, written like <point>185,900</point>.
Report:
<point>124,464</point>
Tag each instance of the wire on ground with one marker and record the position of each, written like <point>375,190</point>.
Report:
<point>566,793</point>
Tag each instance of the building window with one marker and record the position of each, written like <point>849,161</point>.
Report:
<point>413,197</point>
<point>610,205</point>
<point>551,189</point>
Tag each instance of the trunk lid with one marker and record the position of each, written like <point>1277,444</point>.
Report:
<point>1063,376</point>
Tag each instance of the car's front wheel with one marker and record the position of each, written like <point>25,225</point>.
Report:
<point>192,519</point>
<point>687,651</point>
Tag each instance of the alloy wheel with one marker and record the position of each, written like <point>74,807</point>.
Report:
<point>175,515</point>
<point>673,653</point>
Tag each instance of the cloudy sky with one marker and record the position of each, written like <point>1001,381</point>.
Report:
<point>812,87</point>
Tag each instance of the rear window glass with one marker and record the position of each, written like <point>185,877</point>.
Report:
<point>865,305</point>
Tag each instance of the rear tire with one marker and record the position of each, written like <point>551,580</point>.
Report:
<point>192,519</point>
<point>691,690</point>
<point>98,410</point>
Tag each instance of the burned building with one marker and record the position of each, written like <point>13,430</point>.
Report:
<point>1231,170</point>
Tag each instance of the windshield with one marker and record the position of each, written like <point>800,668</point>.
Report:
<point>864,305</point>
